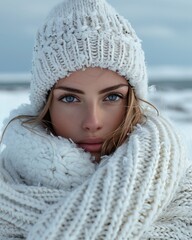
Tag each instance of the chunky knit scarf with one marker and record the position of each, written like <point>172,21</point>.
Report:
<point>50,189</point>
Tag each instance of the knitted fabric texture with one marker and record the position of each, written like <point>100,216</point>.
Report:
<point>85,33</point>
<point>50,189</point>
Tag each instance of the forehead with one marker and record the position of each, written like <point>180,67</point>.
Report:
<point>96,77</point>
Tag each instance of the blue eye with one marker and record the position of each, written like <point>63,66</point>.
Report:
<point>68,99</point>
<point>113,97</point>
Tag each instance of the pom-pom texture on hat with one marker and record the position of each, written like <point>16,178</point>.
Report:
<point>85,33</point>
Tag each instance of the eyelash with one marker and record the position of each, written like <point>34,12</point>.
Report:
<point>65,97</point>
<point>120,96</point>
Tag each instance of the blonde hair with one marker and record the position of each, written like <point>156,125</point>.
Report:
<point>133,116</point>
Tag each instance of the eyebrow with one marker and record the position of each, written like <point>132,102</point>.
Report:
<point>112,88</point>
<point>69,89</point>
<point>108,89</point>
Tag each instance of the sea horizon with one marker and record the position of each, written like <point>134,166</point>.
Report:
<point>161,76</point>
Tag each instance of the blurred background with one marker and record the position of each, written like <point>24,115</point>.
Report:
<point>165,28</point>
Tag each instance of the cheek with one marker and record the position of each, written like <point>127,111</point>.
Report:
<point>114,116</point>
<point>63,121</point>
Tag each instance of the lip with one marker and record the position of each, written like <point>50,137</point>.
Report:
<point>91,145</point>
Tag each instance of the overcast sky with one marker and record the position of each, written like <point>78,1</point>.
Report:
<point>165,26</point>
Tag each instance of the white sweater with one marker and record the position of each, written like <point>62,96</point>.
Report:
<point>50,189</point>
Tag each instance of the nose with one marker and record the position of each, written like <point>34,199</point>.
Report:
<point>92,119</point>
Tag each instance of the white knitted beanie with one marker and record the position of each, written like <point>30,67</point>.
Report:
<point>85,33</point>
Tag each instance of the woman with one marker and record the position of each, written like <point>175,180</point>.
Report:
<point>89,158</point>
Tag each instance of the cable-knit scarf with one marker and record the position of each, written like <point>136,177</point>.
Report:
<point>50,189</point>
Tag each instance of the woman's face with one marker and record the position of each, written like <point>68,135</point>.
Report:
<point>88,106</point>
